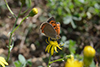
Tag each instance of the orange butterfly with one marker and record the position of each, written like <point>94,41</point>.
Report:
<point>51,28</point>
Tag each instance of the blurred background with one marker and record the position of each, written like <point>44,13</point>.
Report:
<point>80,26</point>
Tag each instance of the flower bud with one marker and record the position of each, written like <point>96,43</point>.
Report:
<point>33,12</point>
<point>89,51</point>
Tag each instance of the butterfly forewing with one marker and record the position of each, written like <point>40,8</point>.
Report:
<point>51,28</point>
<point>53,23</point>
<point>48,30</point>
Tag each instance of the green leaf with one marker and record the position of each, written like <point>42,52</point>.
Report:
<point>22,59</point>
<point>63,38</point>
<point>92,64</point>
<point>17,64</point>
<point>67,19</point>
<point>12,45</point>
<point>91,10</point>
<point>82,1</point>
<point>73,25</point>
<point>40,66</point>
<point>29,62</point>
<point>71,6</point>
<point>97,6</point>
<point>72,47</point>
<point>28,3</point>
<point>59,11</point>
<point>66,44</point>
<point>77,18</point>
<point>97,10</point>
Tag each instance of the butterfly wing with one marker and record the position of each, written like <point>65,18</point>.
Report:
<point>58,28</point>
<point>48,30</point>
<point>55,25</point>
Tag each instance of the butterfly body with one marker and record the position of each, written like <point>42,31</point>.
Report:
<point>51,28</point>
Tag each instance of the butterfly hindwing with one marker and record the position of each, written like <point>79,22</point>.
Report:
<point>58,28</point>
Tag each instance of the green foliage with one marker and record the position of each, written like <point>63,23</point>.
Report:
<point>65,11</point>
<point>28,3</point>
<point>93,64</point>
<point>22,59</point>
<point>22,1</point>
<point>70,44</point>
<point>22,62</point>
<point>17,63</point>
<point>69,11</point>
<point>72,47</point>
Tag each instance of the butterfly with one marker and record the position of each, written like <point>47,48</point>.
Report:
<point>51,28</point>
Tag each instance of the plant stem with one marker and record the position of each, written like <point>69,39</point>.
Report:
<point>13,30</point>
<point>19,24</point>
<point>11,34</point>
<point>61,59</point>
<point>49,60</point>
<point>25,11</point>
<point>9,9</point>
<point>11,39</point>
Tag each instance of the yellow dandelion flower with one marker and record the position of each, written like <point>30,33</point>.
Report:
<point>73,63</point>
<point>3,62</point>
<point>33,12</point>
<point>52,45</point>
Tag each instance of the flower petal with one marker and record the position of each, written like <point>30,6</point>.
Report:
<point>46,48</point>
<point>56,49</point>
<point>71,62</point>
<point>52,50</point>
<point>49,48</point>
<point>2,64</point>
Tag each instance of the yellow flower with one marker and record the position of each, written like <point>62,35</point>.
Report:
<point>52,45</point>
<point>3,62</point>
<point>89,51</point>
<point>73,63</point>
<point>33,12</point>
